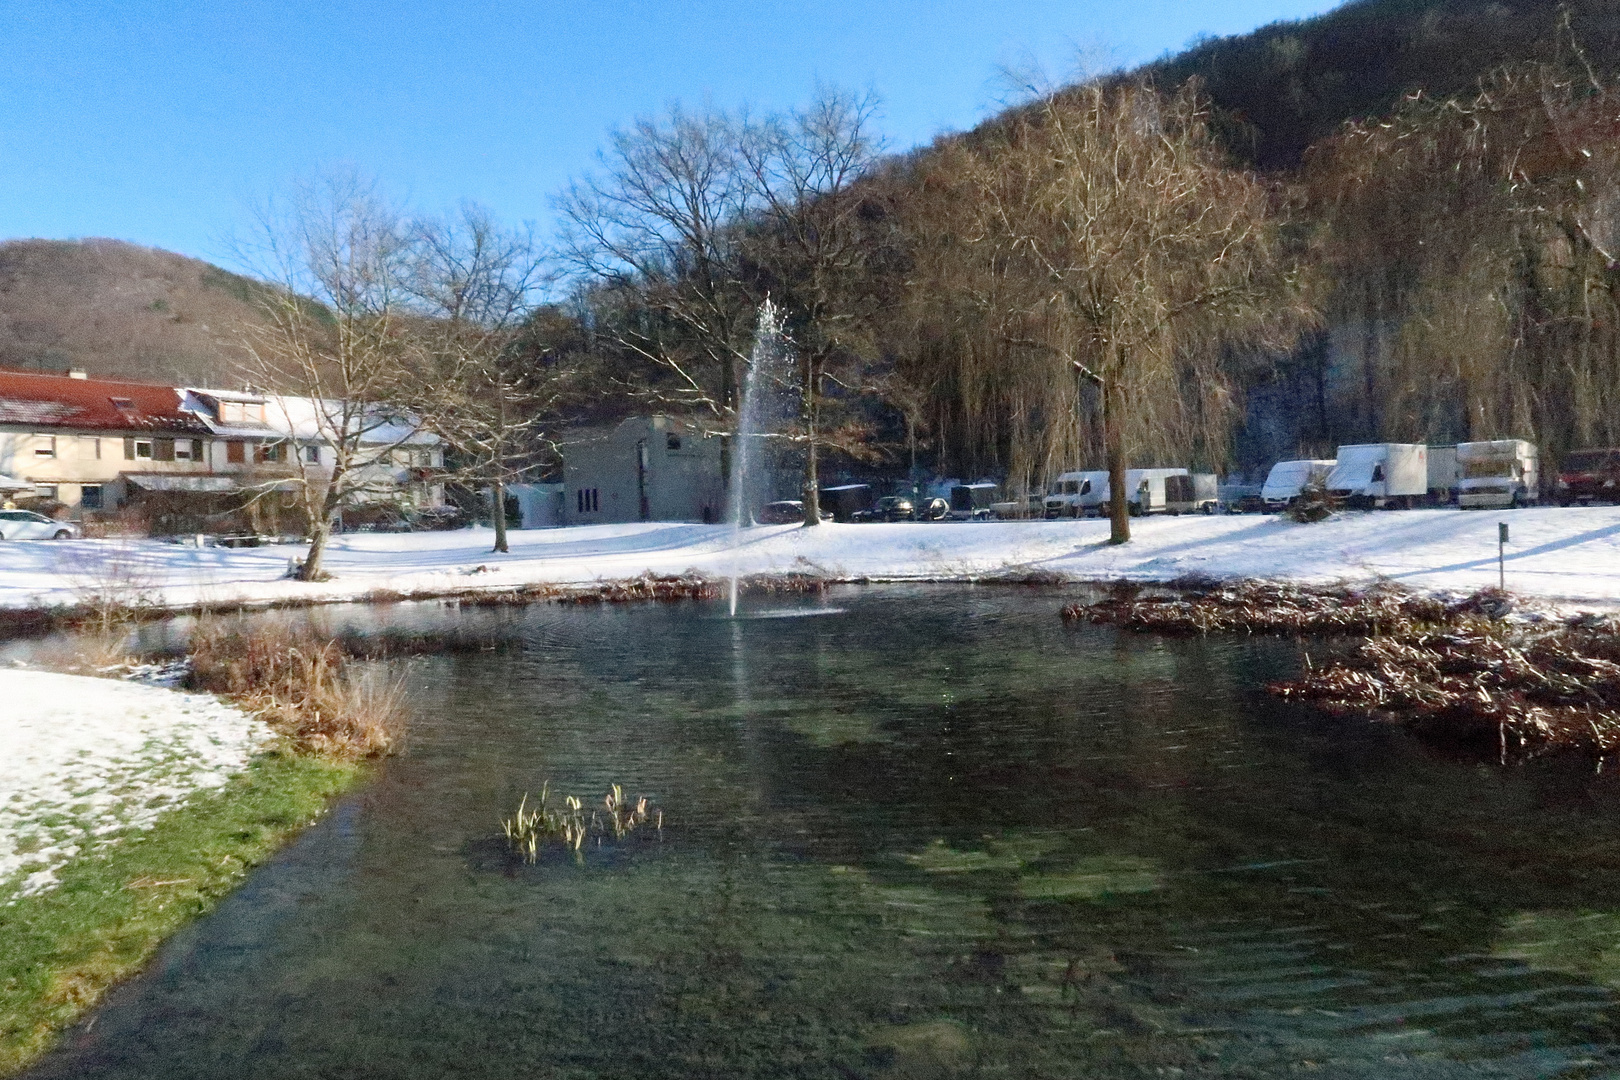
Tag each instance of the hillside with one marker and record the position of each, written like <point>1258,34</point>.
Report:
<point>1292,83</point>
<point>114,308</point>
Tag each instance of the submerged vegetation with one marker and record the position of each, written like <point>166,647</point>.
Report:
<point>1457,671</point>
<point>528,829</point>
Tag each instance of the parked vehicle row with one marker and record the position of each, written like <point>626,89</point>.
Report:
<point>1481,474</point>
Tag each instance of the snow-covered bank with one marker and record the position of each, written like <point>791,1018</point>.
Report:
<point>83,758</point>
<point>1567,554</point>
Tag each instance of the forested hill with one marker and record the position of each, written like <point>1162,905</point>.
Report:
<point>114,308</point>
<point>1293,83</point>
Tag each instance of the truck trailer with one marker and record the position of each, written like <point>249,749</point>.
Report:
<point>1382,475</point>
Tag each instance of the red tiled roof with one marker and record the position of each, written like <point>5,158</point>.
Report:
<point>38,400</point>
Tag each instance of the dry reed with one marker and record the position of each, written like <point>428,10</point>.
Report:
<point>1454,671</point>
<point>306,686</point>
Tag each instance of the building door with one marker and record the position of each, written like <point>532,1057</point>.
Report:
<point>641,481</point>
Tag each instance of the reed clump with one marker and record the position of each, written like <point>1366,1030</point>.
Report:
<point>529,829</point>
<point>308,687</point>
<point>1454,670</point>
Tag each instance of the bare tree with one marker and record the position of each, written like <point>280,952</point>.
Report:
<point>477,284</point>
<point>658,229</point>
<point>335,342</point>
<point>813,251</point>
<point>1144,251</point>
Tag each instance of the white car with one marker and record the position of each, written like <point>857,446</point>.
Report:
<point>27,525</point>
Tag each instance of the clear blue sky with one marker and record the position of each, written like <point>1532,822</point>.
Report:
<point>161,122</point>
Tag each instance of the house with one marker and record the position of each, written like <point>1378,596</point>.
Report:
<point>648,468</point>
<point>91,443</point>
<point>187,454</point>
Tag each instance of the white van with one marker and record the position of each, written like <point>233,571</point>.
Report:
<point>1499,472</point>
<point>1380,474</point>
<point>1145,487</point>
<point>1064,497</point>
<point>1288,478</point>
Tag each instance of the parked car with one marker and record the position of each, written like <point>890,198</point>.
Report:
<point>1372,475</point>
<point>1288,478</point>
<point>935,509</point>
<point>27,525</point>
<point>888,508</point>
<point>1499,472</point>
<point>1589,476</point>
<point>785,512</point>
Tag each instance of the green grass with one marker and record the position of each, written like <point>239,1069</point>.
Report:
<point>61,951</point>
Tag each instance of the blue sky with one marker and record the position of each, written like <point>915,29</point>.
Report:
<point>161,123</point>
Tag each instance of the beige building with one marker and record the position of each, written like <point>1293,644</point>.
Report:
<point>99,445</point>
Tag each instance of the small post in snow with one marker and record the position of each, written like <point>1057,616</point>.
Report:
<point>1501,559</point>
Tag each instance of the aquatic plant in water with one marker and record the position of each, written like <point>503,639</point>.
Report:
<point>529,828</point>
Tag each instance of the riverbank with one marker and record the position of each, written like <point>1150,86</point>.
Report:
<point>129,811</point>
<point>1569,555</point>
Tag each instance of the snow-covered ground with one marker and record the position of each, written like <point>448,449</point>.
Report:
<point>1568,554</point>
<point>82,759</point>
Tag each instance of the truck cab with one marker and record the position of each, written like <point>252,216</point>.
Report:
<point>1071,491</point>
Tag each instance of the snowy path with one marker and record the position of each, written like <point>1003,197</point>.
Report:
<point>1569,554</point>
<point>83,758</point>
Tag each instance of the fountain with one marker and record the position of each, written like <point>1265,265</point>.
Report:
<point>757,409</point>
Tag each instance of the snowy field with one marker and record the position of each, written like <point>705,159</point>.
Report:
<point>82,759</point>
<point>1566,554</point>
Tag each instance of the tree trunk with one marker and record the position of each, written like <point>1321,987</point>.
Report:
<point>319,531</point>
<point>812,486</point>
<point>497,492</point>
<point>1119,513</point>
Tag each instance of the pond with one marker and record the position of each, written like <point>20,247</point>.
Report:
<point>909,831</point>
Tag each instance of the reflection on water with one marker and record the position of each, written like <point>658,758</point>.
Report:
<point>940,835</point>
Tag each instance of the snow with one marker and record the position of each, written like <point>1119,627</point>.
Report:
<point>1570,554</point>
<point>84,759</point>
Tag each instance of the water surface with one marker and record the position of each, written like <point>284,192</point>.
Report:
<point>934,833</point>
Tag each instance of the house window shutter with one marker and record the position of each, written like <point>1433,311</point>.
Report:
<point>233,452</point>
<point>163,450</point>
<point>129,448</point>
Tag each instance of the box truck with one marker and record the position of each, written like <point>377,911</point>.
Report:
<point>1288,478</point>
<point>1380,475</point>
<point>1145,488</point>
<point>1444,473</point>
<point>1498,472</point>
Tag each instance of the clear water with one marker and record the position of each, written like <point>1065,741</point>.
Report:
<point>935,834</point>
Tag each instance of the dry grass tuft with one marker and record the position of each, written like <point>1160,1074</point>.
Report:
<point>307,687</point>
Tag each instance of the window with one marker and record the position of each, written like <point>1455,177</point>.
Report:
<point>235,452</point>
<point>187,450</point>
<point>312,455</point>
<point>44,445</point>
<point>90,497</point>
<point>143,449</point>
<point>122,404</point>
<point>266,453</point>
<point>47,491</point>
<point>1378,474</point>
<point>588,500</point>
<point>89,448</point>
<point>241,411</point>
<point>672,441</point>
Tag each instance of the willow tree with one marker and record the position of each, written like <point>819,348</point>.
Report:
<point>1472,246</point>
<point>1146,257</point>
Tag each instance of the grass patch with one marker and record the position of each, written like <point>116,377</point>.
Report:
<point>65,948</point>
